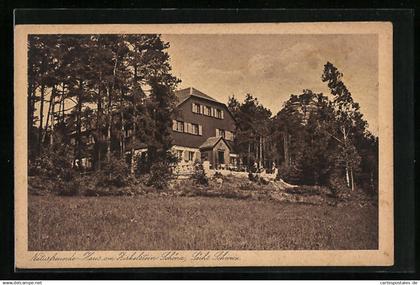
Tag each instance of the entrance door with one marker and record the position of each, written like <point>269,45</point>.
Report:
<point>221,157</point>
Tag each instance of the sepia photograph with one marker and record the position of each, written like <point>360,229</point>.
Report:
<point>184,147</point>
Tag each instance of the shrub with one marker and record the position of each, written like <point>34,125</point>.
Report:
<point>253,177</point>
<point>142,165</point>
<point>160,173</point>
<point>68,188</point>
<point>289,174</point>
<point>114,173</point>
<point>337,186</point>
<point>38,186</point>
<point>217,175</point>
<point>199,176</point>
<point>307,190</point>
<point>53,172</point>
<point>54,163</point>
<point>263,181</point>
<point>248,186</point>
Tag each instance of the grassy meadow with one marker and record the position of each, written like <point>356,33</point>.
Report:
<point>156,222</point>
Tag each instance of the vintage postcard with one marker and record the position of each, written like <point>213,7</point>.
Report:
<point>204,145</point>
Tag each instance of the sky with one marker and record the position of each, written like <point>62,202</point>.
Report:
<point>272,67</point>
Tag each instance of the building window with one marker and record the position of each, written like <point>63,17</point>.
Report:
<point>195,129</point>
<point>219,113</point>
<point>220,133</point>
<point>208,111</point>
<point>196,108</point>
<point>179,126</point>
<point>179,154</point>
<point>190,156</point>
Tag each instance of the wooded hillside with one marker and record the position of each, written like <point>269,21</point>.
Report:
<point>94,99</point>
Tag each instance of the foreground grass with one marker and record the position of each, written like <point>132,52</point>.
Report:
<point>189,223</point>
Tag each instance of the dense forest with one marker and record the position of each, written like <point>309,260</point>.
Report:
<point>312,140</point>
<point>99,90</point>
<point>103,96</point>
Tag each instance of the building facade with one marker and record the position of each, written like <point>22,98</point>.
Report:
<point>203,129</point>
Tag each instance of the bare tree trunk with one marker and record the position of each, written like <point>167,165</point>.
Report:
<point>135,118</point>
<point>41,119</point>
<point>122,136</point>
<point>347,177</point>
<point>52,121</point>
<point>352,180</point>
<point>343,131</point>
<point>249,154</point>
<point>98,140</point>
<point>286,149</point>
<point>79,123</point>
<point>108,147</point>
<point>372,186</point>
<point>31,106</point>
<point>261,153</point>
<point>31,120</point>
<point>50,114</point>
<point>61,112</point>
<point>109,121</point>
<point>133,138</point>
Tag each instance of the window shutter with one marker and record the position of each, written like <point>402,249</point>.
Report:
<point>200,130</point>
<point>185,127</point>
<point>202,109</point>
<point>217,132</point>
<point>174,125</point>
<point>192,107</point>
<point>222,114</point>
<point>190,128</point>
<point>185,155</point>
<point>213,111</point>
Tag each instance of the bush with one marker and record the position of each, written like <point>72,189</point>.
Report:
<point>288,174</point>
<point>218,175</point>
<point>308,190</point>
<point>69,188</point>
<point>142,165</point>
<point>115,173</point>
<point>199,176</point>
<point>54,163</point>
<point>248,186</point>
<point>253,177</point>
<point>263,181</point>
<point>160,173</point>
<point>52,172</point>
<point>37,186</point>
<point>337,186</point>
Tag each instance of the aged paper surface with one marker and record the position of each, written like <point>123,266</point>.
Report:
<point>383,256</point>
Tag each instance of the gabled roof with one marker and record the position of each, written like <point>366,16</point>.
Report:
<point>184,94</point>
<point>212,141</point>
